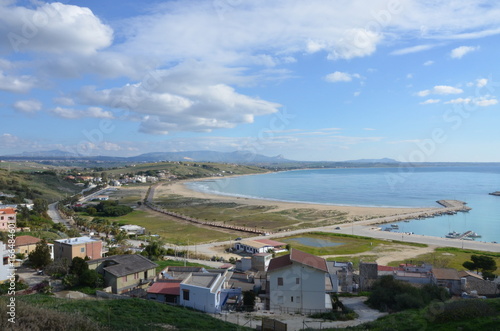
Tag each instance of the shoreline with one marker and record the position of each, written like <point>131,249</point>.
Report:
<point>363,212</point>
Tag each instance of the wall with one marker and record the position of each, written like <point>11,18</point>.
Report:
<point>309,293</point>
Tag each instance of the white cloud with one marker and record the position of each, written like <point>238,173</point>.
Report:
<point>413,49</point>
<point>338,76</point>
<point>28,106</point>
<point>93,112</point>
<point>183,98</point>
<point>428,63</point>
<point>64,101</point>
<point>459,52</point>
<point>16,84</point>
<point>459,101</point>
<point>481,82</point>
<point>430,101</point>
<point>485,102</point>
<point>53,27</point>
<point>440,89</point>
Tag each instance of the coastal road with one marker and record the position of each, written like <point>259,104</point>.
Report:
<point>56,216</point>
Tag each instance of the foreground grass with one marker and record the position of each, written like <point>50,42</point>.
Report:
<point>128,314</point>
<point>469,314</point>
<point>450,257</point>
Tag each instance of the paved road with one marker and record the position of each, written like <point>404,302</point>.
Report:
<point>56,216</point>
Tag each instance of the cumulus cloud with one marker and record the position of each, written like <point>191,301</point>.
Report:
<point>53,27</point>
<point>93,112</point>
<point>430,101</point>
<point>16,84</point>
<point>28,106</point>
<point>485,101</point>
<point>440,89</point>
<point>183,98</point>
<point>338,76</point>
<point>459,52</point>
<point>481,82</point>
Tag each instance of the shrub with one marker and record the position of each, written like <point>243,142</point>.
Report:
<point>463,310</point>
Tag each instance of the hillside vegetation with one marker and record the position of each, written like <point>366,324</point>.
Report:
<point>41,184</point>
<point>39,312</point>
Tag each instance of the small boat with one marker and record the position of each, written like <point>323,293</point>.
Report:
<point>394,226</point>
<point>453,234</point>
<point>474,235</point>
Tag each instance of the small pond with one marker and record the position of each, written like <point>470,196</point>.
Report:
<point>313,242</point>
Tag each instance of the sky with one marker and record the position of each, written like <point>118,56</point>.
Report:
<point>316,80</point>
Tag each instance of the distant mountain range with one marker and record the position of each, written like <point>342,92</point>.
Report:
<point>198,156</point>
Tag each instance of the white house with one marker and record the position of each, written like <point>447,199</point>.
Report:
<point>206,291</point>
<point>299,282</point>
<point>133,229</point>
<point>259,246</point>
<point>6,271</point>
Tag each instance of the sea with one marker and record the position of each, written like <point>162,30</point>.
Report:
<point>400,186</point>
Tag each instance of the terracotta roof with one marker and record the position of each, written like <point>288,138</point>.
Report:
<point>26,240</point>
<point>299,257</point>
<point>172,287</point>
<point>308,259</point>
<point>7,211</point>
<point>386,268</point>
<point>279,262</point>
<point>270,242</point>
<point>443,273</point>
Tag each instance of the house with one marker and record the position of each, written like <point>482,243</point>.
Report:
<point>131,229</point>
<point>341,276</point>
<point>77,247</point>
<point>447,278</point>
<point>26,244</point>
<point>206,291</point>
<point>299,282</point>
<point>259,246</point>
<point>474,283</point>
<point>165,290</point>
<point>7,216</point>
<point>6,270</point>
<point>195,287</point>
<point>124,273</point>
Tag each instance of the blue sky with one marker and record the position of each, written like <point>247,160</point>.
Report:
<point>416,81</point>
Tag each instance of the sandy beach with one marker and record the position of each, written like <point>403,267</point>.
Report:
<point>358,212</point>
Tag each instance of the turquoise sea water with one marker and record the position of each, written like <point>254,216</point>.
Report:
<point>383,187</point>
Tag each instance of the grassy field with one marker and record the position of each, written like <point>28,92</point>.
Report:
<point>174,232</point>
<point>449,257</point>
<point>189,169</point>
<point>260,217</point>
<point>130,314</point>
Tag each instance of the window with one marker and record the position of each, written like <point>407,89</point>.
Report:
<point>297,280</point>
<point>185,295</point>
<point>280,281</point>
<point>136,275</point>
<point>82,250</point>
<point>291,299</point>
<point>124,278</point>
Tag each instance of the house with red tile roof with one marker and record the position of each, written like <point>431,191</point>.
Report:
<point>299,282</point>
<point>165,290</point>
<point>7,216</point>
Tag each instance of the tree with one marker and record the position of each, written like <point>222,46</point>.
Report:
<point>78,266</point>
<point>40,257</point>
<point>249,300</point>
<point>481,263</point>
<point>154,250</point>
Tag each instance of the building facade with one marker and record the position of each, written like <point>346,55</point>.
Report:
<point>77,247</point>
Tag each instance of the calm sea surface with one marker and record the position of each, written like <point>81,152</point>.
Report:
<point>383,187</point>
